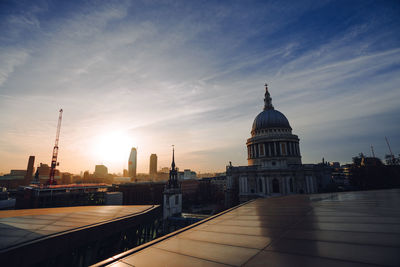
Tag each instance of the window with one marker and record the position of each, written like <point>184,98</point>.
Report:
<point>261,149</point>
<point>275,186</point>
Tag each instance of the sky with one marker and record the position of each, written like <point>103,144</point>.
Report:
<point>151,74</point>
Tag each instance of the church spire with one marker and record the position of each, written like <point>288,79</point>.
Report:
<point>267,100</point>
<point>173,158</point>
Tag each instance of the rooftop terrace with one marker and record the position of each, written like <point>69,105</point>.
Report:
<point>343,229</point>
<point>32,236</point>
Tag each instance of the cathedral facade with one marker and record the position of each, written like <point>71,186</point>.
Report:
<point>274,161</point>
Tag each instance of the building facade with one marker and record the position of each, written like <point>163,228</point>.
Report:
<point>19,177</point>
<point>274,161</point>
<point>100,171</point>
<point>172,200</point>
<point>153,165</point>
<point>132,163</point>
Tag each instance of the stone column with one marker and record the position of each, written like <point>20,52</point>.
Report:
<point>287,184</point>
<point>264,190</point>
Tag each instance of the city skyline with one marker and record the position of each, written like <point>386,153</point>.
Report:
<point>151,74</point>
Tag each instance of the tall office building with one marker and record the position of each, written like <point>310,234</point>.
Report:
<point>29,169</point>
<point>132,163</point>
<point>100,171</point>
<point>153,164</point>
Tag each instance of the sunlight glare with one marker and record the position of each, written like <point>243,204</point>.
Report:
<point>113,147</point>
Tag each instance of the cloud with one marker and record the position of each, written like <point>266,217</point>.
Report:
<point>192,75</point>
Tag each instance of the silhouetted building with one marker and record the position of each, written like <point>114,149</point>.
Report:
<point>164,170</point>
<point>153,165</point>
<point>132,163</point>
<point>31,197</point>
<point>142,193</point>
<point>100,171</point>
<point>18,172</point>
<point>172,193</point>
<point>187,174</point>
<point>30,167</point>
<point>66,178</point>
<point>18,177</point>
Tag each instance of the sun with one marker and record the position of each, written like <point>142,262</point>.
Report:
<point>113,147</point>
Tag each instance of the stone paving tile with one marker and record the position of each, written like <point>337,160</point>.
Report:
<point>379,239</point>
<point>244,230</point>
<point>353,227</point>
<point>383,256</point>
<point>231,255</point>
<point>249,241</point>
<point>270,258</point>
<point>159,257</point>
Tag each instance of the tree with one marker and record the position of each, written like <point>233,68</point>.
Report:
<point>357,159</point>
<point>392,160</point>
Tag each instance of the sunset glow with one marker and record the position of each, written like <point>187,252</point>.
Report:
<point>149,75</point>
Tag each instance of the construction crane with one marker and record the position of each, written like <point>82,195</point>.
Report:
<point>390,150</point>
<point>372,150</point>
<point>54,163</point>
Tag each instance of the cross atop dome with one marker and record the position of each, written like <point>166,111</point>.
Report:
<point>267,100</point>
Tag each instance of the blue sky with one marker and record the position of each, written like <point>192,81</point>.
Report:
<point>191,73</point>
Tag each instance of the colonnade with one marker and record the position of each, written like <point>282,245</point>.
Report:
<point>270,149</point>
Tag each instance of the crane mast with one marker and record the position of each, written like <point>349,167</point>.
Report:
<point>390,150</point>
<point>51,180</point>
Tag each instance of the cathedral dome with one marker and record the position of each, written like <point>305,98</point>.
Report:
<point>272,144</point>
<point>270,118</point>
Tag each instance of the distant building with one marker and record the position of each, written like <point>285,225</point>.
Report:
<point>44,172</point>
<point>153,165</point>
<point>18,172</point>
<point>31,197</point>
<point>141,193</point>
<point>18,177</point>
<point>334,164</point>
<point>164,170</point>
<point>274,161</point>
<point>100,171</point>
<point>187,174</point>
<point>132,163</point>
<point>66,178</point>
<point>172,204</point>
<point>125,173</point>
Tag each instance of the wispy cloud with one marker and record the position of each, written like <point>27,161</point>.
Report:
<point>192,75</point>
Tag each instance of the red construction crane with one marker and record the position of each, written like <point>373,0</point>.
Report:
<point>54,163</point>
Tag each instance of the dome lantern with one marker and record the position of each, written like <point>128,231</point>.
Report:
<point>267,100</point>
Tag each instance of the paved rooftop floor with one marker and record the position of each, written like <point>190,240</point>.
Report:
<point>343,229</point>
<point>20,226</point>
